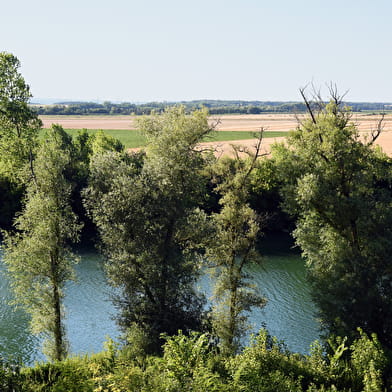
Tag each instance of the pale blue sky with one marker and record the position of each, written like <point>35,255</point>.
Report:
<point>180,50</point>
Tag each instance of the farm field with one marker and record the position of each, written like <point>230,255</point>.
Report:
<point>226,124</point>
<point>134,139</point>
<point>272,122</point>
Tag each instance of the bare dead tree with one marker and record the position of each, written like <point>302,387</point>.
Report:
<point>375,133</point>
<point>335,95</point>
<point>257,146</point>
<point>316,106</point>
<point>307,103</point>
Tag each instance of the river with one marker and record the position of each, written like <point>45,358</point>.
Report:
<point>288,315</point>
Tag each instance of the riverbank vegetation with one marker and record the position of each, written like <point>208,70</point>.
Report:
<point>163,215</point>
<point>193,363</point>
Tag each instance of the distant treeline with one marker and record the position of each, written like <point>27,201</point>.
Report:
<point>214,107</point>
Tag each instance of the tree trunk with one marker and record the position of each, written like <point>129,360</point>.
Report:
<point>57,331</point>
<point>233,303</point>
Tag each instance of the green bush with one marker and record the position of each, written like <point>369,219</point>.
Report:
<point>193,364</point>
<point>71,375</point>
<point>267,365</point>
<point>10,378</point>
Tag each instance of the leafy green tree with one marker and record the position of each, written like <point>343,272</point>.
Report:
<point>82,148</point>
<point>232,248</point>
<point>19,124</point>
<point>101,143</point>
<point>37,254</point>
<point>147,203</point>
<point>339,187</point>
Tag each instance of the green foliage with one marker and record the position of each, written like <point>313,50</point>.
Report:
<point>102,142</point>
<point>265,198</point>
<point>137,342</point>
<point>369,361</point>
<point>267,366</point>
<point>127,137</point>
<point>84,146</point>
<point>187,362</point>
<point>70,375</point>
<point>230,249</point>
<point>192,363</point>
<point>10,379</point>
<point>81,148</point>
<point>338,188</point>
<point>146,205</point>
<point>37,257</point>
<point>19,124</point>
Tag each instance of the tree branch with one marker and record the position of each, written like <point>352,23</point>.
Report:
<point>376,132</point>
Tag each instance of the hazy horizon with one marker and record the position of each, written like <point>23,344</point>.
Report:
<point>54,101</point>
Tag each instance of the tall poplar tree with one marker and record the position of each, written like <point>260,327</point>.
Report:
<point>232,247</point>
<point>146,205</point>
<point>37,254</point>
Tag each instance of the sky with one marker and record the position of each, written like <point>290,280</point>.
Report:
<point>173,50</point>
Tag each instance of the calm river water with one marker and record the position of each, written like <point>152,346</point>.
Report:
<point>289,313</point>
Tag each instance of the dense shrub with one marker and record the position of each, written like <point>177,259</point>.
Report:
<point>193,363</point>
<point>10,379</point>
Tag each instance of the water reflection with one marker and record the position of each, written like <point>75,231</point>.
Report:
<point>89,315</point>
<point>16,342</point>
<point>289,313</point>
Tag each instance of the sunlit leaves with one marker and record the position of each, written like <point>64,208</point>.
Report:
<point>37,255</point>
<point>339,190</point>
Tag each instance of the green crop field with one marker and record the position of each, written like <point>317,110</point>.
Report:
<point>133,139</point>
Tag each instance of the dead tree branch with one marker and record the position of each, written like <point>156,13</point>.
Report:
<point>307,103</point>
<point>375,133</point>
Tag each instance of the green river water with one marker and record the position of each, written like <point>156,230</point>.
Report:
<point>289,314</point>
